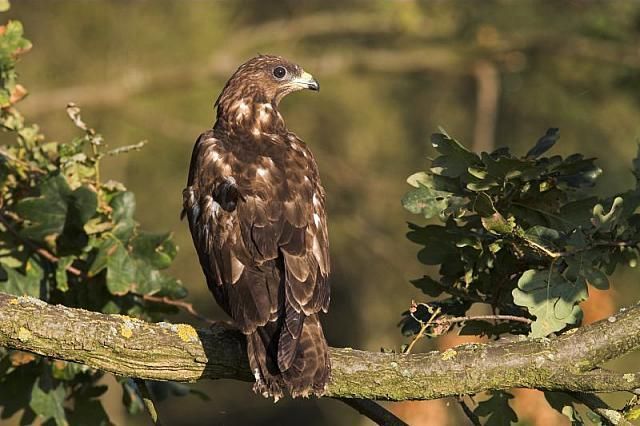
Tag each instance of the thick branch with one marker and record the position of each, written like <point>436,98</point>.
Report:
<point>163,351</point>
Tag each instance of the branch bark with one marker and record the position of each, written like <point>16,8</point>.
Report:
<point>178,352</point>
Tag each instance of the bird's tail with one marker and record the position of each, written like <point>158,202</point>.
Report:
<point>309,371</point>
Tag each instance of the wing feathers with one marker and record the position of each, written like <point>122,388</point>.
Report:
<point>259,226</point>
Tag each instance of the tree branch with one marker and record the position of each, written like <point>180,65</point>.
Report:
<point>178,352</point>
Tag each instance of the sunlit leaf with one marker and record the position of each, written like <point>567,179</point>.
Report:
<point>47,402</point>
<point>607,221</point>
<point>425,201</point>
<point>551,298</point>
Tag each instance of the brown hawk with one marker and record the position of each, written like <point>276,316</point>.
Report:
<point>256,211</point>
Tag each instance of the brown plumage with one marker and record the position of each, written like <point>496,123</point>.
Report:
<point>256,212</point>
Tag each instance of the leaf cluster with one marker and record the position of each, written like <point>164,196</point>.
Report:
<point>523,235</point>
<point>68,237</point>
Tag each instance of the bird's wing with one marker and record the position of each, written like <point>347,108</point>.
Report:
<point>261,234</point>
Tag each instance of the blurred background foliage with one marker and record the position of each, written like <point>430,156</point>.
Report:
<point>492,74</point>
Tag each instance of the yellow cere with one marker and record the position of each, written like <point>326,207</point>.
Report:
<point>186,332</point>
<point>24,334</point>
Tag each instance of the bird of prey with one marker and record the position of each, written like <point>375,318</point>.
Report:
<point>256,211</point>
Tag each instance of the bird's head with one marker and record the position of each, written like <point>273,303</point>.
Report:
<point>264,79</point>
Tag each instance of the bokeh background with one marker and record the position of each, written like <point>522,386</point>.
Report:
<point>491,73</point>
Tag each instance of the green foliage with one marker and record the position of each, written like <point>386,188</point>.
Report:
<point>521,234</point>
<point>68,237</point>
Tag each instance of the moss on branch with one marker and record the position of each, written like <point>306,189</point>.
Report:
<point>178,352</point>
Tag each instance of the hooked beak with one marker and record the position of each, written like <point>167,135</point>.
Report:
<point>306,81</point>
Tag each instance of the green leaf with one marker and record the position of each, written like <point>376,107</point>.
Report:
<point>497,409</point>
<point>420,179</point>
<point>455,159</point>
<point>437,241</point>
<point>497,224</point>
<point>121,267</point>
<point>544,143</point>
<point>104,250</point>
<point>429,286</point>
<point>596,278</point>
<point>433,196</point>
<point>425,201</point>
<point>123,205</point>
<point>606,221</point>
<point>551,298</point>
<point>483,205</point>
<point>483,185</point>
<point>27,284</point>
<point>67,371</point>
<point>121,271</point>
<point>47,402</point>
<point>546,237</point>
<point>171,287</point>
<point>502,166</point>
<point>577,213</point>
<point>47,213</point>
<point>57,209</point>
<point>158,250</point>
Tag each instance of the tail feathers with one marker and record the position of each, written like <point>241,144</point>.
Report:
<point>309,370</point>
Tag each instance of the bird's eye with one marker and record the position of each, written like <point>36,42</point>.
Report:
<point>279,72</point>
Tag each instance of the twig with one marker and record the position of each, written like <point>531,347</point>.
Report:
<point>473,418</point>
<point>143,389</point>
<point>41,251</point>
<point>601,408</point>
<point>423,328</point>
<point>54,259</point>
<point>180,304</point>
<point>124,149</point>
<point>453,320</point>
<point>374,411</point>
<point>15,159</point>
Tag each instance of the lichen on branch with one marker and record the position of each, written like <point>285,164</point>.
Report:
<point>128,347</point>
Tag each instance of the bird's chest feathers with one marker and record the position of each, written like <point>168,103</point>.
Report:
<point>255,118</point>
